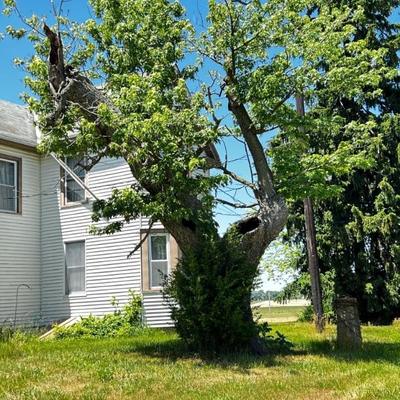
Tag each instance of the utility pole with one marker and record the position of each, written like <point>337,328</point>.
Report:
<point>316,292</point>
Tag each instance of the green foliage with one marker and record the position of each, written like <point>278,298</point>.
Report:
<point>209,294</point>
<point>358,231</point>
<point>157,118</point>
<point>262,53</point>
<point>280,260</point>
<point>307,315</point>
<point>125,322</point>
<point>6,333</point>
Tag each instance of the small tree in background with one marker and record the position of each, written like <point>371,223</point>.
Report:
<point>150,109</point>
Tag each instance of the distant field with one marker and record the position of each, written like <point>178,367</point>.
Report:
<point>279,314</point>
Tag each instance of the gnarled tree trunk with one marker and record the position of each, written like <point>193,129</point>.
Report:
<point>69,86</point>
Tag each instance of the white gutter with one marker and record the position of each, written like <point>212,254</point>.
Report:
<point>75,177</point>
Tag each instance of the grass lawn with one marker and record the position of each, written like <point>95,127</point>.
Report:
<point>280,312</point>
<point>154,366</point>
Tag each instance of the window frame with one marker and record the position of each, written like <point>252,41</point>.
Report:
<point>64,189</point>
<point>18,182</point>
<point>150,261</point>
<point>66,289</point>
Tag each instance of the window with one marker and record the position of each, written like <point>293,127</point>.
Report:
<point>10,184</point>
<point>75,267</point>
<point>158,259</point>
<point>73,193</point>
<point>159,255</point>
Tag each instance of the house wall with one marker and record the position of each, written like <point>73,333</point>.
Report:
<point>109,272</point>
<point>20,246</point>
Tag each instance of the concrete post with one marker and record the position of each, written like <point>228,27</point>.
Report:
<point>348,324</point>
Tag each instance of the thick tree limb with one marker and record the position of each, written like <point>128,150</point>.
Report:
<point>70,87</point>
<point>258,231</point>
<point>250,136</point>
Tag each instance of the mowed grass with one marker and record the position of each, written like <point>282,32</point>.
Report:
<point>279,312</point>
<point>155,365</point>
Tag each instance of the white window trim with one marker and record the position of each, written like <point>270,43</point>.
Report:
<point>15,187</point>
<point>74,294</point>
<point>150,259</point>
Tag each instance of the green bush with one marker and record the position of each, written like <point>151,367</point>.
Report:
<point>307,315</point>
<point>124,322</point>
<point>209,293</point>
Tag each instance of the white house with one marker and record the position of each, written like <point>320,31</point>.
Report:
<point>47,257</point>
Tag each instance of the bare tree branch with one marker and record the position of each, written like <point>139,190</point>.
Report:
<point>140,244</point>
<point>236,205</point>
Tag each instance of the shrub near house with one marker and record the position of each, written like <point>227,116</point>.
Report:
<point>124,322</point>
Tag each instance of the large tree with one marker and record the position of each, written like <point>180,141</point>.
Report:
<point>124,83</point>
<point>359,231</point>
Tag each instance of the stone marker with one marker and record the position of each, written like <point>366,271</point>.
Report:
<point>348,324</point>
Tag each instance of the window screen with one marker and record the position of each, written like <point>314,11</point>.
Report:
<point>8,186</point>
<point>75,267</point>
<point>158,260</point>
<point>73,192</point>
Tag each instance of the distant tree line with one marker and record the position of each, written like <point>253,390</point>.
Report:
<point>264,295</point>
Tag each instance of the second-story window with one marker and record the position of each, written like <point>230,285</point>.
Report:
<point>9,185</point>
<point>73,192</point>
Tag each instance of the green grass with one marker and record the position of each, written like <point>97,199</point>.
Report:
<point>154,365</point>
<point>280,312</point>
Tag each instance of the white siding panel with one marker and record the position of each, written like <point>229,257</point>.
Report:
<point>32,249</point>
<point>156,311</point>
<point>20,246</point>
<point>109,272</point>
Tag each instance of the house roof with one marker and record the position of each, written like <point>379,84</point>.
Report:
<point>17,125</point>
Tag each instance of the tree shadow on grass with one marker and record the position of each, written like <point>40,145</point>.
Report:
<point>388,352</point>
<point>174,350</point>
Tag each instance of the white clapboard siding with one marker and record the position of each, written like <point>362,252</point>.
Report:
<point>156,310</point>
<point>20,246</point>
<point>109,273</point>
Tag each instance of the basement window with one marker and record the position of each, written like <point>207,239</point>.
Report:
<point>10,184</point>
<point>75,268</point>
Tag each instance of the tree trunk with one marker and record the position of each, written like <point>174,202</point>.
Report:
<point>316,292</point>
<point>68,86</point>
